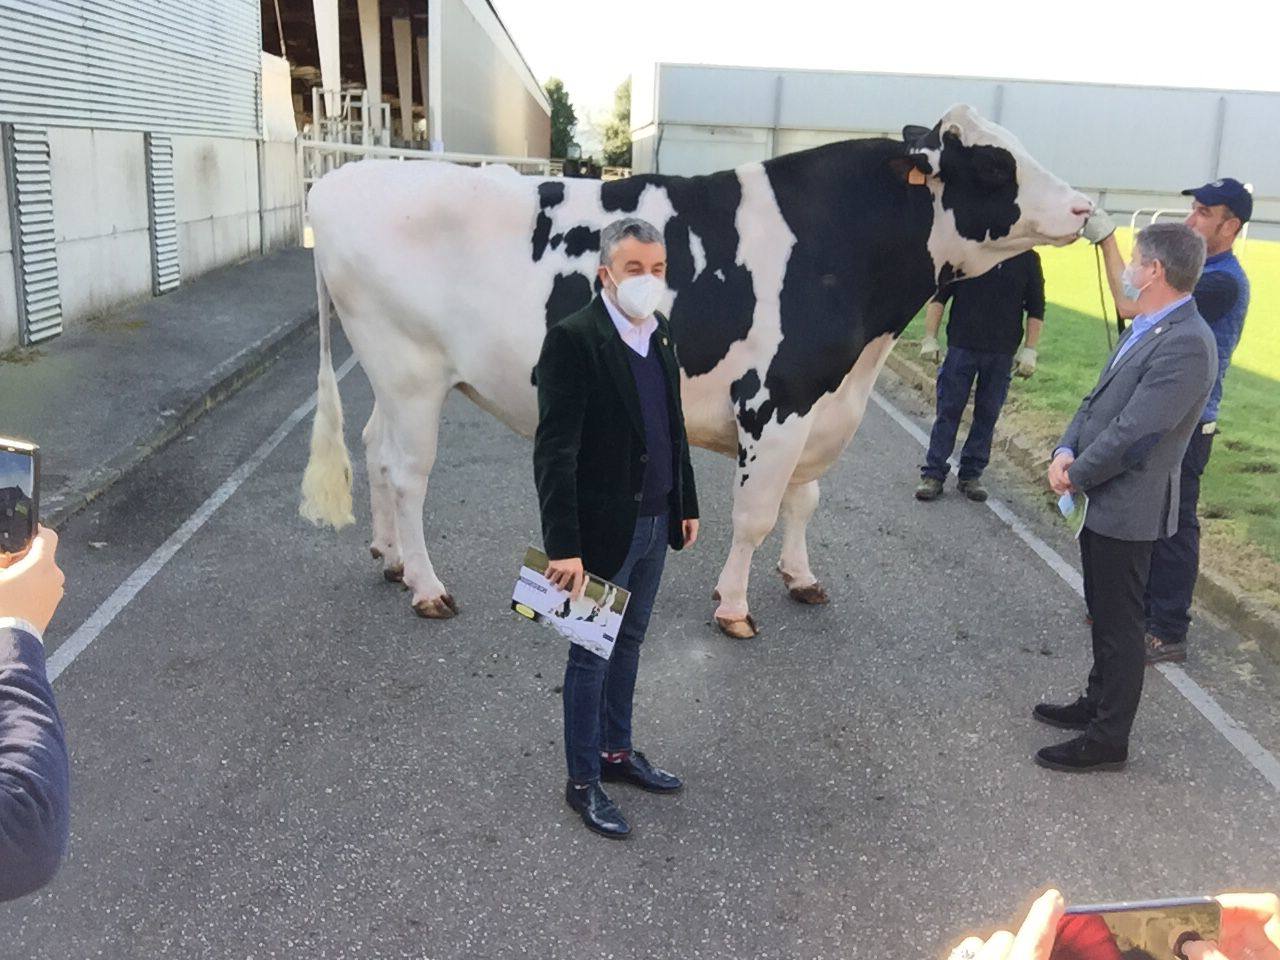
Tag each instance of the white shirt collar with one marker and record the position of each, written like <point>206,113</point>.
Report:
<point>634,335</point>
<point>17,623</point>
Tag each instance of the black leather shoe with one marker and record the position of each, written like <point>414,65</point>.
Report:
<point>597,810</point>
<point>638,771</point>
<point>1071,716</point>
<point>1083,755</point>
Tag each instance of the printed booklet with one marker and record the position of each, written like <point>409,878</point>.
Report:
<point>592,621</point>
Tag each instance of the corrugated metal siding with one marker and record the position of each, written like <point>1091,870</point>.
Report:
<point>31,217</point>
<point>167,65</point>
<point>162,212</point>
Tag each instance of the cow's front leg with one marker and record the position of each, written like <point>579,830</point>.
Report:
<point>765,466</point>
<point>384,546</point>
<point>409,453</point>
<point>798,504</point>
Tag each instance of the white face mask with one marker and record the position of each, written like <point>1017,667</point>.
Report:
<point>639,296</point>
<point>1131,289</point>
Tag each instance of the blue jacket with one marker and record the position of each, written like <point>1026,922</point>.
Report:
<point>1222,297</point>
<point>34,774</point>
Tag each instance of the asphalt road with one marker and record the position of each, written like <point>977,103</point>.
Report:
<point>273,757</point>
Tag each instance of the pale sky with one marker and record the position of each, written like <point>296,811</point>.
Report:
<point>593,45</point>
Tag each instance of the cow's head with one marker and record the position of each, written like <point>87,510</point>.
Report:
<point>991,199</point>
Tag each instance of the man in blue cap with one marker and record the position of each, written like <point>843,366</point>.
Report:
<point>1219,211</point>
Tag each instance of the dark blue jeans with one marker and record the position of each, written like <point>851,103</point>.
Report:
<point>598,692</point>
<point>1175,561</point>
<point>955,379</point>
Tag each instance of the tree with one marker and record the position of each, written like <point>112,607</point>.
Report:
<point>563,119</point>
<point>617,132</point>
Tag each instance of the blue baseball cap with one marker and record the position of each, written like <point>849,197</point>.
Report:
<point>1227,192</point>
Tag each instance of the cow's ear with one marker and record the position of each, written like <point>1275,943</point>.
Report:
<point>912,133</point>
<point>911,168</point>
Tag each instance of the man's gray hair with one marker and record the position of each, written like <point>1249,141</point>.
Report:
<point>619,230</point>
<point>1179,248</point>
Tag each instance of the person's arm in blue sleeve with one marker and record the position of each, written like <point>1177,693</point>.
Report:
<point>34,768</point>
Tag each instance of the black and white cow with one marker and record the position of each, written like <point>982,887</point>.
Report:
<point>790,280</point>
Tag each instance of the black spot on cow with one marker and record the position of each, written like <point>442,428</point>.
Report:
<point>579,240</point>
<point>623,196</point>
<point>570,292</point>
<point>743,390</point>
<point>980,186</point>
<point>541,234</point>
<point>742,455</point>
<point>743,481</point>
<point>550,194</point>
<point>860,267</point>
<point>713,307</point>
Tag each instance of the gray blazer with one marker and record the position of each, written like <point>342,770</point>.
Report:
<point>1132,430</point>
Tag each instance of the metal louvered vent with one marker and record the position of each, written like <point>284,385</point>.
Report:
<point>35,255</point>
<point>162,214</point>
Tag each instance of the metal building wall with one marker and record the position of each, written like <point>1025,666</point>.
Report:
<point>160,65</point>
<point>1136,145</point>
<point>489,102</point>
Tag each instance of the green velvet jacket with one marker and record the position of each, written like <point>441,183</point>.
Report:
<point>589,449</point>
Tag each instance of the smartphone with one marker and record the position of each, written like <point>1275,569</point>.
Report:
<point>1147,930</point>
<point>19,494</point>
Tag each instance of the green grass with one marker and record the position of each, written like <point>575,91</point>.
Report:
<point>1240,496</point>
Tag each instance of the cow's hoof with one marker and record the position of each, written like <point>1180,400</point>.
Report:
<point>394,574</point>
<point>442,608</point>
<point>739,628</point>
<point>813,594</point>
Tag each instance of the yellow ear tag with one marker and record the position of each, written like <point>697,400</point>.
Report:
<point>915,177</point>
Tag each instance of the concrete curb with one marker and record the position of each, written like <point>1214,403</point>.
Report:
<point>181,410</point>
<point>1216,593</point>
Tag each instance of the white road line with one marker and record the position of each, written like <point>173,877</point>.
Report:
<point>120,598</point>
<point>1258,756</point>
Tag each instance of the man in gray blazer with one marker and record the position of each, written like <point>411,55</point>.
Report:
<point>1123,450</point>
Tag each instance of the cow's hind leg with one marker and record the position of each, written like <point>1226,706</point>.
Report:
<point>410,437</point>
<point>384,546</point>
<point>762,477</point>
<point>798,505</point>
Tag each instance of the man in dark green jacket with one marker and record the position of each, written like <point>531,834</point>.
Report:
<point>616,488</point>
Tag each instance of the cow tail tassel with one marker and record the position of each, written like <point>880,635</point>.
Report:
<point>326,483</point>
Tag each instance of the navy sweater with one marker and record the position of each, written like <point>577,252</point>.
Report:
<point>34,777</point>
<point>659,475</point>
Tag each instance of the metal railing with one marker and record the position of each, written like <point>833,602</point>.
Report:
<point>318,157</point>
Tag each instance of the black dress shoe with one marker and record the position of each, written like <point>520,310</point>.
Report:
<point>1083,755</point>
<point>638,771</point>
<point>597,810</point>
<point>1071,716</point>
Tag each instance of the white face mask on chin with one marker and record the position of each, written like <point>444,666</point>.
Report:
<point>639,296</point>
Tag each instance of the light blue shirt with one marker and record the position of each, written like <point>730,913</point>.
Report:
<point>1144,322</point>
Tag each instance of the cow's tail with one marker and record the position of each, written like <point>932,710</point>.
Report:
<point>326,484</point>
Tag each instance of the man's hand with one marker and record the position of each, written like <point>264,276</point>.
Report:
<point>1098,227</point>
<point>1025,361</point>
<point>568,575</point>
<point>1033,942</point>
<point>1250,930</point>
<point>31,588</point>
<point>690,529</point>
<point>931,350</point>
<point>1058,479</point>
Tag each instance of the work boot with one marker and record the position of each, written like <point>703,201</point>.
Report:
<point>973,489</point>
<point>929,488</point>
<point>1164,651</point>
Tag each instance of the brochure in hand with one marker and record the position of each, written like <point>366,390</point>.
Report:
<point>1074,508</point>
<point>592,621</point>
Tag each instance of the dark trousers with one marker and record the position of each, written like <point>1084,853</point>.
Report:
<point>598,692</point>
<point>1115,577</point>
<point>955,379</point>
<point>1175,561</point>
